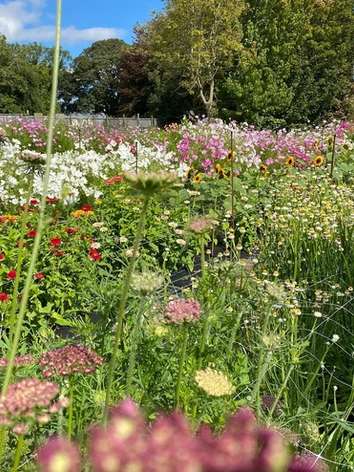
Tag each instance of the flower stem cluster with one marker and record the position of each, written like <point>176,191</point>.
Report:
<point>70,360</point>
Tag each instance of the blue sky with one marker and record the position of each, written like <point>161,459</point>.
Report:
<point>83,21</point>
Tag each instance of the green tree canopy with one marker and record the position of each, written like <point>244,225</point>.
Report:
<point>94,81</point>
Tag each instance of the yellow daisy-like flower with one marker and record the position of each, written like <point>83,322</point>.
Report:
<point>329,140</point>
<point>218,168</point>
<point>318,161</point>
<point>79,213</point>
<point>290,162</point>
<point>189,173</point>
<point>230,155</point>
<point>263,168</point>
<point>197,178</point>
<point>214,382</point>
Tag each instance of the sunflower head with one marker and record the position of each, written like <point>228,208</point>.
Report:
<point>189,173</point>
<point>218,168</point>
<point>318,161</point>
<point>329,140</point>
<point>197,178</point>
<point>263,169</point>
<point>290,162</point>
<point>230,155</point>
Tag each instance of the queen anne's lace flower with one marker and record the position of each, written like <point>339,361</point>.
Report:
<point>214,382</point>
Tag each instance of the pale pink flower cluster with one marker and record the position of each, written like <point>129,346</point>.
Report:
<point>178,311</point>
<point>27,401</point>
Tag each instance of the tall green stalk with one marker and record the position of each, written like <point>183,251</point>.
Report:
<point>70,419</point>
<point>132,356</point>
<point>18,453</point>
<point>19,257</point>
<point>121,307</point>
<point>181,364</point>
<point>41,224</point>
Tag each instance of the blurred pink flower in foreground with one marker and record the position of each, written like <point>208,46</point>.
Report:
<point>169,445</point>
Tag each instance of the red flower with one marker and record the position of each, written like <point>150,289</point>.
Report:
<point>11,274</point>
<point>86,208</point>
<point>23,244</point>
<point>32,233</point>
<point>1,256</point>
<point>119,178</point>
<point>59,253</point>
<point>55,241</point>
<point>52,200</point>
<point>34,202</point>
<point>71,230</point>
<point>95,255</point>
<point>4,297</point>
<point>39,275</point>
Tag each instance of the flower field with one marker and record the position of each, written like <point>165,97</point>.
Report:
<point>177,299</point>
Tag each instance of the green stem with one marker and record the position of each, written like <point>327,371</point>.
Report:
<point>2,439</point>
<point>40,227</point>
<point>203,341</point>
<point>281,390</point>
<point>202,255</point>
<point>121,307</point>
<point>19,258</point>
<point>262,369</point>
<point>70,419</point>
<point>314,375</point>
<point>132,356</point>
<point>181,363</point>
<point>18,453</point>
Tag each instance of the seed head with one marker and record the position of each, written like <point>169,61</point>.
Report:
<point>146,283</point>
<point>150,184</point>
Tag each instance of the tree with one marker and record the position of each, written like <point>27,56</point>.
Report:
<point>24,87</point>
<point>194,39</point>
<point>135,86</point>
<point>295,65</point>
<point>96,76</point>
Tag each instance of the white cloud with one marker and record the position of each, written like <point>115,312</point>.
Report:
<point>21,20</point>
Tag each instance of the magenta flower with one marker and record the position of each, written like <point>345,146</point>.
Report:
<point>58,454</point>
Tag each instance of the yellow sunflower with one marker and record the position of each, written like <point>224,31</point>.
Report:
<point>218,168</point>
<point>222,174</point>
<point>189,173</point>
<point>263,168</point>
<point>197,178</point>
<point>230,156</point>
<point>318,161</point>
<point>329,140</point>
<point>290,162</point>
